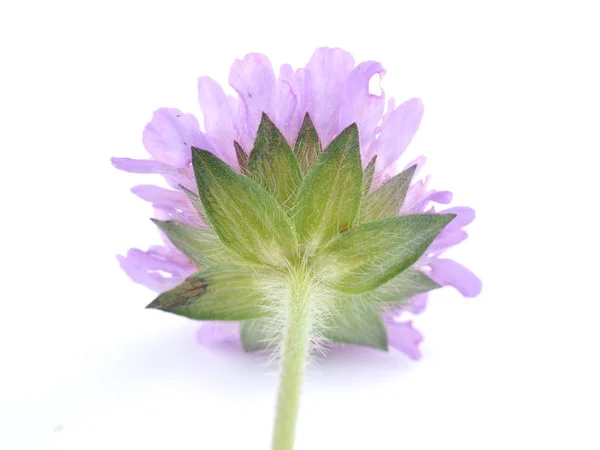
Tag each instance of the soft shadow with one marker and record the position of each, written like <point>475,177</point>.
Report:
<point>174,355</point>
<point>358,366</point>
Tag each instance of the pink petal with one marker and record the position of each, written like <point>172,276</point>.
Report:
<point>415,193</point>
<point>403,337</point>
<point>298,82</point>
<point>464,216</point>
<point>155,268</point>
<point>175,177</point>
<point>447,239</point>
<point>218,123</point>
<point>358,105</point>
<point>254,80</point>
<point>396,132</point>
<point>419,161</point>
<point>282,110</point>
<point>174,204</point>
<point>418,303</point>
<point>326,73</point>
<point>453,234</point>
<point>447,272</point>
<point>238,114</point>
<point>140,165</point>
<point>169,136</point>
<point>220,335</point>
<point>421,204</point>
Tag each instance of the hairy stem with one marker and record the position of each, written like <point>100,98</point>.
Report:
<point>296,346</point>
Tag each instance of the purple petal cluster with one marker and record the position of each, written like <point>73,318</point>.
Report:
<point>334,90</point>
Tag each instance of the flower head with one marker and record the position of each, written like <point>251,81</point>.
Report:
<point>296,187</point>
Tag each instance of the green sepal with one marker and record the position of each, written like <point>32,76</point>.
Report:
<point>308,145</point>
<point>367,256</point>
<point>196,203</point>
<point>273,165</point>
<point>357,322</point>
<point>247,219</point>
<point>203,247</point>
<point>329,198</point>
<point>242,158</point>
<point>229,292</point>
<point>254,335</point>
<point>367,182</point>
<point>402,287</point>
<point>352,320</point>
<point>368,176</point>
<point>386,201</point>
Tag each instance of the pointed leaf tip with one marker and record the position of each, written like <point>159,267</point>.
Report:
<point>387,201</point>
<point>273,165</point>
<point>227,292</point>
<point>242,158</point>
<point>308,145</point>
<point>155,304</point>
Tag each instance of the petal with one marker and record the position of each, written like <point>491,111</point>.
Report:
<point>416,190</point>
<point>155,268</point>
<point>403,337</point>
<point>415,193</point>
<point>447,239</point>
<point>360,106</point>
<point>254,80</point>
<point>286,73</point>
<point>396,132</point>
<point>175,177</point>
<point>419,205</point>
<point>160,197</point>
<point>238,115</point>
<point>140,165</point>
<point>174,204</point>
<point>419,161</point>
<point>298,82</point>
<point>218,122</point>
<point>326,73</point>
<point>447,272</point>
<point>464,216</point>
<point>282,109</point>
<point>169,136</point>
<point>453,234</point>
<point>220,335</point>
<point>418,303</point>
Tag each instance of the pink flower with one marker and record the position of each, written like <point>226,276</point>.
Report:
<point>335,92</point>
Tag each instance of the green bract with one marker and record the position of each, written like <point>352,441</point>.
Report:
<point>273,165</point>
<point>299,229</point>
<point>308,146</point>
<point>367,256</point>
<point>203,247</point>
<point>245,217</point>
<point>230,292</point>
<point>385,202</point>
<point>329,197</point>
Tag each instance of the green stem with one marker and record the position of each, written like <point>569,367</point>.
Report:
<point>296,345</point>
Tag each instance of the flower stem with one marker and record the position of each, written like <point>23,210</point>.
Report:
<point>296,346</point>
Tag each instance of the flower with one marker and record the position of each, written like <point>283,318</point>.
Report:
<point>335,94</point>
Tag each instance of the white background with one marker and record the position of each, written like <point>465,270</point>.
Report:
<point>511,126</point>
